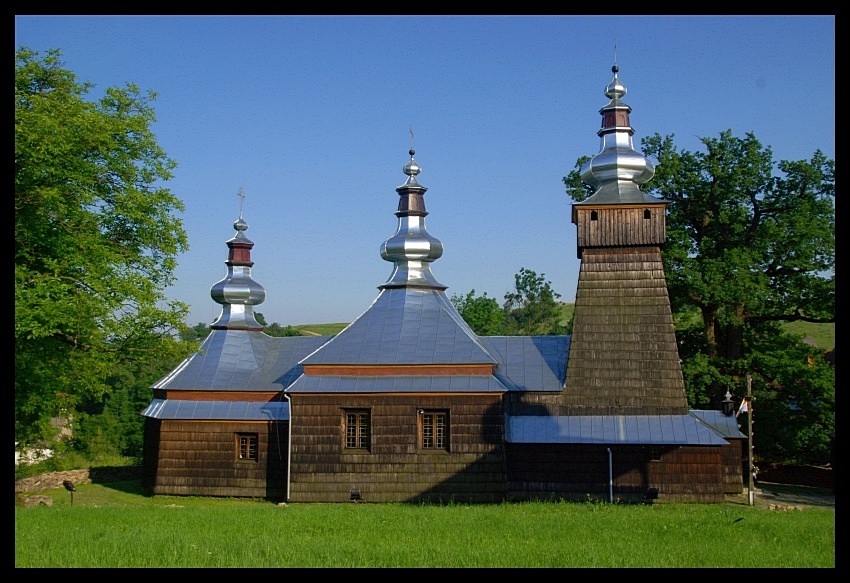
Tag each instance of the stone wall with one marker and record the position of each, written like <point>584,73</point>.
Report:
<point>93,475</point>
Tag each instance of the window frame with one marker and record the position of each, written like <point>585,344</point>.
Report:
<point>430,438</point>
<point>361,443</point>
<point>245,452</point>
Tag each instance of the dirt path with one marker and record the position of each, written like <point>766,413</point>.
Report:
<point>772,496</point>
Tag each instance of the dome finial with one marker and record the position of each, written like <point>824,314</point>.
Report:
<point>411,249</point>
<point>238,293</point>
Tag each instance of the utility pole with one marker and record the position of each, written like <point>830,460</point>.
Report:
<point>751,493</point>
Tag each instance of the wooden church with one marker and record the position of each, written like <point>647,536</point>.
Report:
<point>408,404</point>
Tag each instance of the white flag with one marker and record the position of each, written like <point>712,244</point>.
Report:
<point>742,408</point>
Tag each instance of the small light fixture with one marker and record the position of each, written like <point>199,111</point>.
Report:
<point>727,404</point>
<point>69,485</point>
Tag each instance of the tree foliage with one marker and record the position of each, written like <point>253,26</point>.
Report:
<point>96,239</point>
<point>532,309</point>
<point>483,314</point>
<point>275,329</point>
<point>750,244</point>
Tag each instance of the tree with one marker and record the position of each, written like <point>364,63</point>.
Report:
<point>194,333</point>
<point>96,240</point>
<point>750,244</point>
<point>532,309</point>
<point>483,314</point>
<point>276,330</point>
<point>111,424</point>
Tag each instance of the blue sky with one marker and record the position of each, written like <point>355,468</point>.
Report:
<point>311,116</point>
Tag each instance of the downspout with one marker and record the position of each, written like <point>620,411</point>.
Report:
<point>288,445</point>
<point>610,477</point>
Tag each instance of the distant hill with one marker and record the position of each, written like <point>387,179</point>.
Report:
<point>820,335</point>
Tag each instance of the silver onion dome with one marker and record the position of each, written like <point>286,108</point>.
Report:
<point>411,248</point>
<point>238,293</point>
<point>617,160</point>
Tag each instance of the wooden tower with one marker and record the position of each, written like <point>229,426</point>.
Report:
<point>623,356</point>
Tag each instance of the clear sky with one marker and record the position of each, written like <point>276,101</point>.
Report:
<point>311,117</point>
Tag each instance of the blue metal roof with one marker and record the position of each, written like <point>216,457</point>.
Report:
<point>405,326</point>
<point>727,426</point>
<point>611,429</point>
<point>530,363</point>
<point>229,410</point>
<point>241,360</point>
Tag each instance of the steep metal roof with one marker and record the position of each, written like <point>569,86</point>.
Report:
<point>241,360</point>
<point>405,325</point>
<point>229,410</point>
<point>611,429</point>
<point>725,425</point>
<point>529,363</point>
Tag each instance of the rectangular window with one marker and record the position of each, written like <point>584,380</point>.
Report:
<point>654,453</point>
<point>434,430</point>
<point>246,446</point>
<point>357,429</point>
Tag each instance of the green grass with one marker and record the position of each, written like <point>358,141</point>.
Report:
<point>321,329</point>
<point>115,525</point>
<point>823,335</point>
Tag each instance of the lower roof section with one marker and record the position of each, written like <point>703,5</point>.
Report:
<point>217,410</point>
<point>397,384</point>
<point>611,429</point>
<point>726,425</point>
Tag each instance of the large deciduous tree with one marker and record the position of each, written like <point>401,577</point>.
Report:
<point>96,239</point>
<point>531,309</point>
<point>483,314</point>
<point>750,244</point>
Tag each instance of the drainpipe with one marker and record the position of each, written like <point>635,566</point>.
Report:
<point>288,445</point>
<point>610,477</point>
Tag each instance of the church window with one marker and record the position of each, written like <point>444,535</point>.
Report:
<point>357,429</point>
<point>434,430</point>
<point>246,446</point>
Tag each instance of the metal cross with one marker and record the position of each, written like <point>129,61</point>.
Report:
<point>241,195</point>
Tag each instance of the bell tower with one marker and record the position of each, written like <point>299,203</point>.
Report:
<point>623,357</point>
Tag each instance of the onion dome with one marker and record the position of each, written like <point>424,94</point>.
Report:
<point>238,293</point>
<point>411,249</point>
<point>617,169</point>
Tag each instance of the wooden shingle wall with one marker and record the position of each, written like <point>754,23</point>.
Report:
<point>581,472</point>
<point>395,469</point>
<point>199,458</point>
<point>623,358</point>
<point>620,225</point>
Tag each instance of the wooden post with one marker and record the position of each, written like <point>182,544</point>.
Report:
<point>751,493</point>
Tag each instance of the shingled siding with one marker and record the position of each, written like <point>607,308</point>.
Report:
<point>581,472</point>
<point>616,225</point>
<point>623,356</point>
<point>395,468</point>
<point>199,458</point>
<point>733,476</point>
